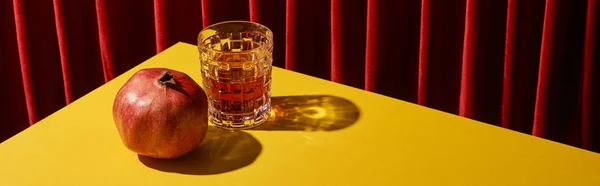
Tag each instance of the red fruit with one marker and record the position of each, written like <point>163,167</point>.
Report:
<point>161,113</point>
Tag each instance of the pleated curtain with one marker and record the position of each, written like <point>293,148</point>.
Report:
<point>526,65</point>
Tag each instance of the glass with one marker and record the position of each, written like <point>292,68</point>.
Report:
<point>236,61</point>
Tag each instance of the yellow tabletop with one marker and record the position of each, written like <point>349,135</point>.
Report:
<point>323,133</point>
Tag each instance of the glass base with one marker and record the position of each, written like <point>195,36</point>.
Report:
<point>239,121</point>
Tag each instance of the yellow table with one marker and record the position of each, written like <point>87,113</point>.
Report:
<point>323,134</point>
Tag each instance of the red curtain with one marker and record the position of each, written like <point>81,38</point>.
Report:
<point>526,65</point>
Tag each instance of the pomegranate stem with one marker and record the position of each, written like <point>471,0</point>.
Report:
<point>167,79</point>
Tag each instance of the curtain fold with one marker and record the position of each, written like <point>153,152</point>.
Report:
<point>482,60</point>
<point>127,34</point>
<point>13,107</point>
<point>176,21</point>
<point>525,65</point>
<point>39,58</point>
<point>77,34</point>
<point>591,81</point>
<point>521,60</point>
<point>440,57</point>
<point>348,21</point>
<point>392,54</point>
<point>558,103</point>
<point>308,37</point>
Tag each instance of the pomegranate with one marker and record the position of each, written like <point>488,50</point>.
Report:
<point>161,113</point>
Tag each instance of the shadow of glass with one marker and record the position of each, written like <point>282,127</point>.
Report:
<point>310,113</point>
<point>221,151</point>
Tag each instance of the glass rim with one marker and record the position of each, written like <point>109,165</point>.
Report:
<point>268,34</point>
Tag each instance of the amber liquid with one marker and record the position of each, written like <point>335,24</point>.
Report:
<point>238,89</point>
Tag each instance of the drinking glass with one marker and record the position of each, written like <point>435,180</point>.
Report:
<point>236,62</point>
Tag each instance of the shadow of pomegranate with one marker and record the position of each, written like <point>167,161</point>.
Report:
<point>310,113</point>
<point>221,151</point>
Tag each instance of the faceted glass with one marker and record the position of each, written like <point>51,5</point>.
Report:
<point>236,61</point>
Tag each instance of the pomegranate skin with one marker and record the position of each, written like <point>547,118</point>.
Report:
<point>161,113</point>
